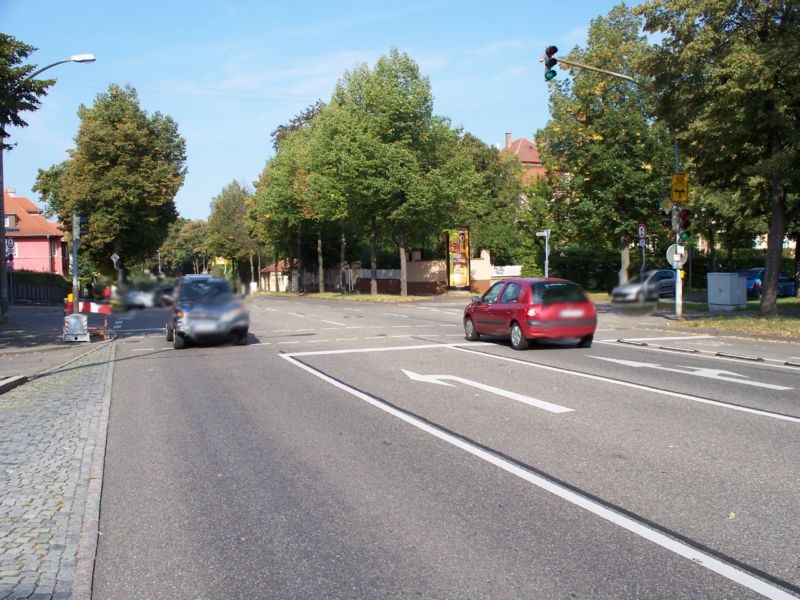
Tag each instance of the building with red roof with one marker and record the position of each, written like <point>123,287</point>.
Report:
<point>38,243</point>
<point>527,153</point>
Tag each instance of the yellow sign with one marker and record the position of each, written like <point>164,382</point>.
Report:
<point>220,261</point>
<point>680,187</point>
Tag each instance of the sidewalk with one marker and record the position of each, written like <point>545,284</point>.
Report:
<point>52,446</point>
<point>30,342</point>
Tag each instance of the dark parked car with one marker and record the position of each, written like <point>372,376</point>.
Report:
<point>205,310</point>
<point>527,309</point>
<point>654,285</point>
<point>755,281</point>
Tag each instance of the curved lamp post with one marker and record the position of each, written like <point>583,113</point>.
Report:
<point>77,58</point>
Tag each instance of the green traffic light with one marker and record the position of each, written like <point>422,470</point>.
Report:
<point>548,75</point>
<point>685,235</point>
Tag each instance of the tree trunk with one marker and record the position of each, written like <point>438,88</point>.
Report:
<point>624,262</point>
<point>258,278</point>
<point>401,239</point>
<point>320,266</point>
<point>373,258</point>
<point>252,269</point>
<point>712,249</point>
<point>777,230</point>
<point>342,258</point>
<point>301,283</point>
<point>797,266</point>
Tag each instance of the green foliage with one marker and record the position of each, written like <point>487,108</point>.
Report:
<point>18,93</point>
<point>227,231</point>
<point>40,278</point>
<point>592,268</point>
<point>123,174</point>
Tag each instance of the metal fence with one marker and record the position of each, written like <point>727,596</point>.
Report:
<point>35,293</point>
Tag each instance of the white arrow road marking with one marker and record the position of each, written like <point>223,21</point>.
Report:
<point>699,372</point>
<point>440,380</point>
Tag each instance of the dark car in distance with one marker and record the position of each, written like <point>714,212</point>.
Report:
<point>755,281</point>
<point>529,309</point>
<point>205,310</point>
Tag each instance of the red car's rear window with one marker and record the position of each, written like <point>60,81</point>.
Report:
<point>556,293</point>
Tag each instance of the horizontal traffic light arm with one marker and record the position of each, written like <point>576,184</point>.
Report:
<point>612,73</point>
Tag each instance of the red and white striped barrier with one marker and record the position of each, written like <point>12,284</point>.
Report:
<point>88,306</point>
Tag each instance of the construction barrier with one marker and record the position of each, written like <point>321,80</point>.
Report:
<point>76,325</point>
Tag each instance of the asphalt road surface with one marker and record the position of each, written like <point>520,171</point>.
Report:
<point>358,450</point>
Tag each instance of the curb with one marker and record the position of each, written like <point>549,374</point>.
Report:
<point>9,383</point>
<point>90,528</point>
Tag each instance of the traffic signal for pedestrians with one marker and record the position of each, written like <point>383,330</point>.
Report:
<point>84,225</point>
<point>684,223</point>
<point>549,62</point>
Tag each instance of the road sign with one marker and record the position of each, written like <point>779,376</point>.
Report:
<point>680,187</point>
<point>676,256</point>
<point>641,231</point>
<point>10,243</point>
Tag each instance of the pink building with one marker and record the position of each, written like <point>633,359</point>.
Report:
<point>38,244</point>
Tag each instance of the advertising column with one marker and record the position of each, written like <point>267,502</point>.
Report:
<point>458,258</point>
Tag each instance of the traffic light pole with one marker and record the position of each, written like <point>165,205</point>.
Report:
<point>76,236</point>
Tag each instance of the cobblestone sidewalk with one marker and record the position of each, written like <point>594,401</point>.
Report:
<point>52,444</point>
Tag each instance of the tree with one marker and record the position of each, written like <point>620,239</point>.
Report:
<point>407,174</point>
<point>729,74</point>
<point>607,159</point>
<point>228,234</point>
<point>281,132</point>
<point>123,174</point>
<point>18,93</point>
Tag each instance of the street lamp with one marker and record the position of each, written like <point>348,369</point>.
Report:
<point>77,58</point>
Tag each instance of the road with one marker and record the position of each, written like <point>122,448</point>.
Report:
<point>359,450</point>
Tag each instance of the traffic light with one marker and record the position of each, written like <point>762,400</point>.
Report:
<point>683,224</point>
<point>549,62</point>
<point>670,219</point>
<point>84,225</point>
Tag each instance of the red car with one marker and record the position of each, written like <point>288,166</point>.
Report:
<point>527,309</point>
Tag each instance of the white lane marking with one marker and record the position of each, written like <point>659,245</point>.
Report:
<point>297,315</point>
<point>345,339</point>
<point>776,363</point>
<point>443,379</point>
<point>636,386</point>
<point>674,337</point>
<point>379,349</point>
<point>395,315</point>
<point>292,342</point>
<point>332,322</point>
<point>700,558</point>
<point>355,309</point>
<point>718,374</point>
<point>401,326</point>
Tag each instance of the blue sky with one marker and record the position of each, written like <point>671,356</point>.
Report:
<point>229,72</point>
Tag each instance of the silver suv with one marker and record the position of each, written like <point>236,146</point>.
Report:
<point>206,310</point>
<point>654,285</point>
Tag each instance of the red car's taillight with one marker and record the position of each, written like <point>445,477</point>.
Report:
<point>531,312</point>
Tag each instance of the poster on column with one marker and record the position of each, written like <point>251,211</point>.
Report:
<point>458,258</point>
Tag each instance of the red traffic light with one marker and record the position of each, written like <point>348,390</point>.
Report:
<point>550,51</point>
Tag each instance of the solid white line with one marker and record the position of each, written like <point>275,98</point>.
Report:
<point>401,326</point>
<point>332,322</point>
<point>627,523</point>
